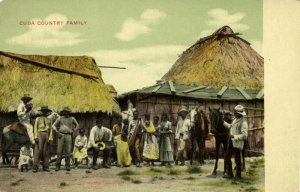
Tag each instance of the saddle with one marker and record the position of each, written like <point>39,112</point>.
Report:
<point>18,128</point>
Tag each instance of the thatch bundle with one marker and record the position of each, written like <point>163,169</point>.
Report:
<point>55,81</point>
<point>220,59</point>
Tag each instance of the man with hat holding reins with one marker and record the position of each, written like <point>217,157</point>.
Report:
<point>24,113</point>
<point>65,125</point>
<point>238,134</point>
<point>43,135</point>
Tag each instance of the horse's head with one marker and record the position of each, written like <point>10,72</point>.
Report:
<point>228,116</point>
<point>216,118</point>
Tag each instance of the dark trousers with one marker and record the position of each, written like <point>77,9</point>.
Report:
<point>42,150</point>
<point>64,144</point>
<point>96,154</point>
<point>237,157</point>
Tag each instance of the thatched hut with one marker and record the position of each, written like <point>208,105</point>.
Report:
<point>222,58</point>
<point>55,81</point>
<point>221,70</point>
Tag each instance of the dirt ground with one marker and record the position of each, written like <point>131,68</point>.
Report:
<point>154,179</point>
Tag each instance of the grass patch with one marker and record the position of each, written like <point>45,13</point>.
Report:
<point>190,178</point>
<point>16,183</point>
<point>63,184</point>
<point>173,172</point>
<point>194,170</point>
<point>126,178</point>
<point>152,169</point>
<point>136,181</point>
<point>126,172</point>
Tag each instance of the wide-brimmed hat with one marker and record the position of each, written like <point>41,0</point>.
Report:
<point>66,110</point>
<point>26,97</point>
<point>240,110</point>
<point>183,110</point>
<point>45,108</point>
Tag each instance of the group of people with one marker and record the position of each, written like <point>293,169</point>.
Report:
<point>132,140</point>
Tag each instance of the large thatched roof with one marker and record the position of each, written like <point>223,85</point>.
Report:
<point>56,81</point>
<point>221,59</point>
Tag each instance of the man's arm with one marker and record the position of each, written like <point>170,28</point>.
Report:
<point>75,123</point>
<point>92,138</point>
<point>36,127</point>
<point>21,110</point>
<point>56,124</point>
<point>226,125</point>
<point>50,131</point>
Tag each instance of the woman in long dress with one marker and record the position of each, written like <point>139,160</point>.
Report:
<point>122,149</point>
<point>150,150</point>
<point>165,147</point>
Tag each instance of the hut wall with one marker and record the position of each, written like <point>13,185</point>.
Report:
<point>171,105</point>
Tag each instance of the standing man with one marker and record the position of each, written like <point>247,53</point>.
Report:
<point>135,137</point>
<point>238,134</point>
<point>100,134</point>
<point>183,127</point>
<point>24,112</point>
<point>64,126</point>
<point>42,136</point>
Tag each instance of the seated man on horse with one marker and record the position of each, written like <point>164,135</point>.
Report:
<point>25,112</point>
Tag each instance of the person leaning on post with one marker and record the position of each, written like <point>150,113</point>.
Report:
<point>65,125</point>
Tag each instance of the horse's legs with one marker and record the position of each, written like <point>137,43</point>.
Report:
<point>192,150</point>
<point>5,146</point>
<point>217,156</point>
<point>225,142</point>
<point>200,148</point>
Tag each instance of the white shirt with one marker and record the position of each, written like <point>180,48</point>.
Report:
<point>23,116</point>
<point>183,126</point>
<point>81,141</point>
<point>104,134</point>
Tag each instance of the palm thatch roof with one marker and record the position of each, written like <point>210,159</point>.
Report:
<point>55,81</point>
<point>221,59</point>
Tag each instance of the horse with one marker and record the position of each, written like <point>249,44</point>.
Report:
<point>199,131</point>
<point>217,116</point>
<point>220,132</point>
<point>9,137</point>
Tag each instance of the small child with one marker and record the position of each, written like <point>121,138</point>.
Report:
<point>26,154</point>
<point>181,151</point>
<point>80,147</point>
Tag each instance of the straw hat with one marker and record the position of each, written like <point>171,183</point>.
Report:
<point>240,110</point>
<point>26,97</point>
<point>45,108</point>
<point>183,110</point>
<point>66,110</point>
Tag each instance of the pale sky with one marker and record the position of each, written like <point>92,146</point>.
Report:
<point>146,36</point>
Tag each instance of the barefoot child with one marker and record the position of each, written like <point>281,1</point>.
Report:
<point>26,154</point>
<point>80,147</point>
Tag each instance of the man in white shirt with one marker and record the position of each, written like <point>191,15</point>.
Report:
<point>24,112</point>
<point>238,135</point>
<point>99,134</point>
<point>183,127</point>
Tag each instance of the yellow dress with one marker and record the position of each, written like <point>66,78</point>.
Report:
<point>123,154</point>
<point>151,149</point>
